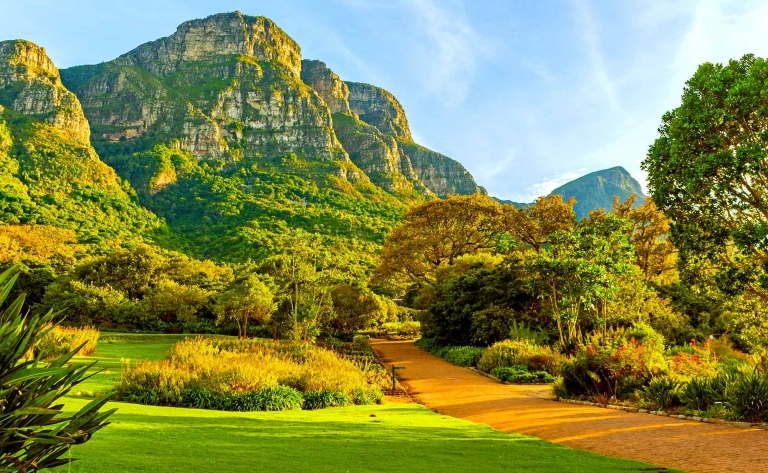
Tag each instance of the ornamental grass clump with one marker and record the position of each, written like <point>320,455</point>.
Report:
<point>59,340</point>
<point>247,375</point>
<point>523,352</point>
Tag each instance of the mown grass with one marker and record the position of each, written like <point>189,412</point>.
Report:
<point>377,438</point>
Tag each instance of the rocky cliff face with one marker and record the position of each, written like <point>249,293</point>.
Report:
<point>379,108</point>
<point>49,173</point>
<point>232,86</point>
<point>30,84</point>
<point>331,88</point>
<point>226,86</point>
<point>373,128</point>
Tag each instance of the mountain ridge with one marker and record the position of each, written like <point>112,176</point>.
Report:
<point>596,190</point>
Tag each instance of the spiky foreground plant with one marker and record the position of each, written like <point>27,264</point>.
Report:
<point>33,432</point>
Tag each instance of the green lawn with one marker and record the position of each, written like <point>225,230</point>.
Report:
<point>388,437</point>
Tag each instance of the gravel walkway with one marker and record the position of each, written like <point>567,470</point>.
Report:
<point>691,446</point>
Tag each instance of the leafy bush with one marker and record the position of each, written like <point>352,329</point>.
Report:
<point>33,434</point>
<point>59,341</point>
<point>702,393</point>
<point>559,389</point>
<point>614,366</point>
<point>662,392</point>
<point>520,352</point>
<point>748,397</point>
<point>276,398</point>
<point>520,374</point>
<point>698,361</point>
<point>463,356</point>
<point>247,375</point>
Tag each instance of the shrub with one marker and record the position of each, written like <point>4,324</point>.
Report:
<point>58,341</point>
<point>698,361</point>
<point>617,368</point>
<point>520,352</point>
<point>34,435</point>
<point>662,392</point>
<point>702,393</point>
<point>276,398</point>
<point>520,374</point>
<point>463,356</point>
<point>408,330</point>
<point>247,375</point>
<point>559,389</point>
<point>748,397</point>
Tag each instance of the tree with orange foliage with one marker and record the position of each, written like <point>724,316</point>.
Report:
<point>535,225</point>
<point>434,234</point>
<point>655,254</point>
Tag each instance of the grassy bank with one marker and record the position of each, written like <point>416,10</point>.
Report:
<point>377,438</point>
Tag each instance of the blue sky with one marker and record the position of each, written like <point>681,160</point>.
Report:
<point>526,94</point>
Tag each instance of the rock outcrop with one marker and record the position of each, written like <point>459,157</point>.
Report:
<point>333,90</point>
<point>226,86</point>
<point>232,86</point>
<point>379,108</point>
<point>31,85</point>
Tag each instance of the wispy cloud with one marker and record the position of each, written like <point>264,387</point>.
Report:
<point>453,51</point>
<point>539,69</point>
<point>549,184</point>
<point>589,34</point>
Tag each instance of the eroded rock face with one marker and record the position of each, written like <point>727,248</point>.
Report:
<point>379,108</point>
<point>226,86</point>
<point>30,84</point>
<point>333,90</point>
<point>210,39</point>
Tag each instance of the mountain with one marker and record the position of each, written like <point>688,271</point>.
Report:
<point>49,172</point>
<point>224,132</point>
<point>596,191</point>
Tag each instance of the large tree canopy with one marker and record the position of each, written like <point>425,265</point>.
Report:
<point>708,172</point>
<point>434,234</point>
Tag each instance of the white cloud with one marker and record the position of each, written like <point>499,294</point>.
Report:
<point>451,57</point>
<point>547,185</point>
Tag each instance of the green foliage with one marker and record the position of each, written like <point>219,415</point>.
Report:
<point>706,172</point>
<point>748,397</point>
<point>478,307</point>
<point>614,367</point>
<point>462,356</point>
<point>273,398</point>
<point>355,308</point>
<point>662,392</point>
<point>519,374</point>
<point>34,435</point>
<point>249,300</point>
<point>238,209</point>
<point>47,178</point>
<point>702,393</point>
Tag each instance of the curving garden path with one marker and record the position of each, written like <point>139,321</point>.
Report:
<point>672,443</point>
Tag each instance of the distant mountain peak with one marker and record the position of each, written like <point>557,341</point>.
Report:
<point>596,190</point>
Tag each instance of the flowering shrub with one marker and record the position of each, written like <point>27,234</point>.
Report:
<point>615,370</point>
<point>697,362</point>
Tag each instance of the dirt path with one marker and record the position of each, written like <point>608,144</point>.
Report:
<point>672,443</point>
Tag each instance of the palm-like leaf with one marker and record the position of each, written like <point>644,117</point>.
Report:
<point>33,432</point>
